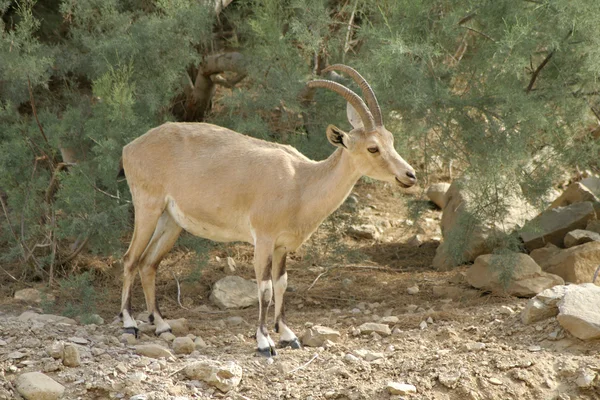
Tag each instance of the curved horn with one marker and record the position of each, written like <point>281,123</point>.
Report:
<point>368,93</point>
<point>351,97</point>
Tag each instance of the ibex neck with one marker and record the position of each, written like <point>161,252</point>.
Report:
<point>329,183</point>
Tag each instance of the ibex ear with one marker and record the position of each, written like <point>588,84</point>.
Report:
<point>336,136</point>
<point>353,116</point>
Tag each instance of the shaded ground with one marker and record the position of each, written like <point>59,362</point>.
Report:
<point>473,347</point>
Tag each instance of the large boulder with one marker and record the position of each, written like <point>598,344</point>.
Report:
<point>579,312</point>
<point>437,193</point>
<point>458,213</point>
<point>512,273</point>
<point>576,264</point>
<point>552,225</point>
<point>234,292</point>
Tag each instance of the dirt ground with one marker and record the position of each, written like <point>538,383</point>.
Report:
<point>450,341</point>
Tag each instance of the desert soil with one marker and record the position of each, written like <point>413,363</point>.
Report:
<point>450,341</point>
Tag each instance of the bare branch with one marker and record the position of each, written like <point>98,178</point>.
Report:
<point>485,35</point>
<point>537,71</point>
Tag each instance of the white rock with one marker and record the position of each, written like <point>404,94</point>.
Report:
<point>400,388</point>
<point>317,335</point>
<point>423,325</point>
<point>592,183</point>
<point>585,378</point>
<point>183,345</point>
<point>223,376</point>
<point>413,290</point>
<point>370,327</point>
<point>390,320</point>
<point>167,337</point>
<point>234,292</point>
<point>365,231</point>
<point>579,312</point>
<point>199,343</point>
<point>437,192</point>
<point>474,346</point>
<point>543,305</point>
<point>153,351</point>
<point>230,266</point>
<point>37,386</point>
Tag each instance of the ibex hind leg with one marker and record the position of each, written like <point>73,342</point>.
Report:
<point>146,218</point>
<point>287,337</point>
<point>165,235</point>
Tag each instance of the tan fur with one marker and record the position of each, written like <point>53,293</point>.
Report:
<point>224,186</point>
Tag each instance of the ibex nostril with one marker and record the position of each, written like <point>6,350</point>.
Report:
<point>411,175</point>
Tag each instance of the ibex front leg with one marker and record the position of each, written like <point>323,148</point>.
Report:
<point>262,268</point>
<point>279,276</point>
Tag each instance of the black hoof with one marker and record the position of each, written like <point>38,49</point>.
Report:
<point>294,343</point>
<point>132,331</point>
<point>267,352</point>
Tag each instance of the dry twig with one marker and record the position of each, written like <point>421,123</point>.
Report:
<point>304,365</point>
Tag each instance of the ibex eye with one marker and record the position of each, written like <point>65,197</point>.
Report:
<point>373,150</point>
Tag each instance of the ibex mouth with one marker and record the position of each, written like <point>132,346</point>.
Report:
<point>404,185</point>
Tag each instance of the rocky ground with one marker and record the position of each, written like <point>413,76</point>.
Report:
<point>389,326</point>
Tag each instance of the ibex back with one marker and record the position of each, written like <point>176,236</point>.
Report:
<point>224,186</point>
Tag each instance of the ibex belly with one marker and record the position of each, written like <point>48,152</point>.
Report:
<point>229,229</point>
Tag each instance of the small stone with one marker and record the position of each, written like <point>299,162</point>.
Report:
<point>506,310</point>
<point>351,358</point>
<point>534,348</point>
<point>199,343</point>
<point>423,325</point>
<point>71,357</point>
<point>317,335</point>
<point>179,327</point>
<point>234,292</point>
<point>390,320</point>
<point>16,355</point>
<point>429,320</point>
<point>153,351</point>
<point>78,340</point>
<point>495,381</point>
<point>400,388</point>
<point>364,231</point>
<point>415,241</point>
<point>128,339</point>
<point>56,350</point>
<point>37,386</point>
<point>449,379</point>
<point>585,378</point>
<point>474,346</point>
<point>230,266</point>
<point>183,345</point>
<point>370,327</point>
<point>412,290</point>
<point>223,376</point>
<point>235,320</point>
<point>167,337</point>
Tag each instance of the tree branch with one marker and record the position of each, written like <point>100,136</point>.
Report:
<point>485,35</point>
<point>537,71</point>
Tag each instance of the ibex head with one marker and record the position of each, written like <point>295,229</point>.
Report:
<point>370,145</point>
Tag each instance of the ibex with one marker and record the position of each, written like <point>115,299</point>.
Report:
<point>225,186</point>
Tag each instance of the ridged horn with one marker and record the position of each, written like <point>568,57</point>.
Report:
<point>351,97</point>
<point>368,93</point>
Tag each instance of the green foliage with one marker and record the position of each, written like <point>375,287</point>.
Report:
<point>77,298</point>
<point>506,90</point>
